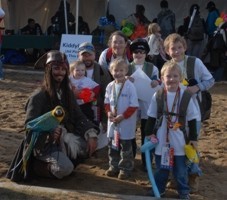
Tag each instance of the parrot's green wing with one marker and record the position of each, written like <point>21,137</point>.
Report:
<point>45,123</point>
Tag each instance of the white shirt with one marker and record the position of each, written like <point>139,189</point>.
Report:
<point>90,73</point>
<point>176,137</point>
<point>127,98</point>
<point>153,43</point>
<point>84,82</point>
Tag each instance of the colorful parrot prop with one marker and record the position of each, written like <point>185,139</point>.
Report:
<point>45,123</point>
<point>146,148</point>
<point>193,160</point>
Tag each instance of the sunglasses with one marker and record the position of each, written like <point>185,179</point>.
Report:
<point>139,51</point>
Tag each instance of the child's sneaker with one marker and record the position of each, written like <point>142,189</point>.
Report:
<point>111,172</point>
<point>124,175</point>
<point>151,193</point>
<point>193,183</point>
<point>184,196</point>
<point>171,184</point>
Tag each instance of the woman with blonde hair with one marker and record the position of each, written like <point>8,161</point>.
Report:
<point>156,55</point>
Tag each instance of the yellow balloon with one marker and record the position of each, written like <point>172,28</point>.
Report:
<point>218,21</point>
<point>191,153</point>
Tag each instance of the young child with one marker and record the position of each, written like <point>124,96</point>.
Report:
<point>175,47</point>
<point>139,48</point>
<point>121,104</point>
<point>84,88</point>
<point>170,137</point>
<point>156,54</point>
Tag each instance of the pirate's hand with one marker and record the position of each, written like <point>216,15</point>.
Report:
<point>92,144</point>
<point>56,134</point>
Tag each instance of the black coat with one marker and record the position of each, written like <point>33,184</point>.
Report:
<point>38,104</point>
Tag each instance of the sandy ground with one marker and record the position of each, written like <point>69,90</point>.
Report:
<point>89,176</point>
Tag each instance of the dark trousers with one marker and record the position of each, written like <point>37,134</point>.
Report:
<point>121,159</point>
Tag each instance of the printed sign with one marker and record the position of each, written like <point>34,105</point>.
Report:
<point>70,44</point>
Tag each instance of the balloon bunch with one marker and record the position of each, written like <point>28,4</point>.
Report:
<point>222,19</point>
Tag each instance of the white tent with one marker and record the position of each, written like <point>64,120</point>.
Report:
<point>18,11</point>
<point>123,8</point>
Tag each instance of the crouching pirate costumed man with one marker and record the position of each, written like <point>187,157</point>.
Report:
<point>58,134</point>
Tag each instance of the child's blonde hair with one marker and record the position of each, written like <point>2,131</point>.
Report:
<point>171,65</point>
<point>173,38</point>
<point>153,28</point>
<point>118,62</point>
<point>75,64</point>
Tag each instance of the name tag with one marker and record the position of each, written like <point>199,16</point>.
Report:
<point>116,140</point>
<point>167,158</point>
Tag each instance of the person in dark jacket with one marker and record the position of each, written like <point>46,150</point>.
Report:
<point>99,74</point>
<point>58,20</point>
<point>195,30</point>
<point>166,19</point>
<point>32,28</point>
<point>213,14</point>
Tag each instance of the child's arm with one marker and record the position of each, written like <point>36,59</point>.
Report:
<point>155,77</point>
<point>192,133</point>
<point>149,129</point>
<point>206,80</point>
<point>128,113</point>
<point>109,114</point>
<point>75,91</point>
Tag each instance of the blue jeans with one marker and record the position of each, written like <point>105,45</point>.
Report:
<point>180,174</point>
<point>198,127</point>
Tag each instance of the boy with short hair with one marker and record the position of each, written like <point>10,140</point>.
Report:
<point>121,103</point>
<point>167,130</point>
<point>176,46</point>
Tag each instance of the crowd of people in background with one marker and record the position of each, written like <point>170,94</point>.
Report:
<point>196,30</point>
<point>171,59</point>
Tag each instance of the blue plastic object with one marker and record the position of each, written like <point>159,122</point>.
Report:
<point>146,148</point>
